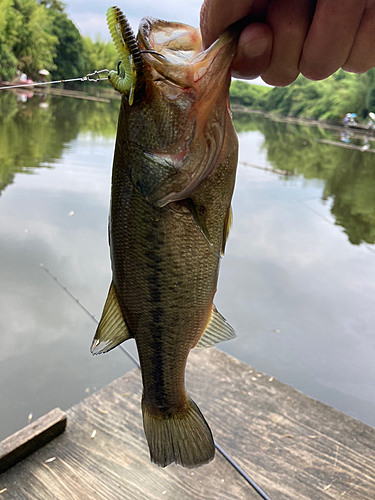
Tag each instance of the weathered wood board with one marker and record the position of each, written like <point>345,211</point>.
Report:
<point>32,437</point>
<point>292,446</point>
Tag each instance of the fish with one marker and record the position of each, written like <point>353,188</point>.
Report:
<point>173,177</point>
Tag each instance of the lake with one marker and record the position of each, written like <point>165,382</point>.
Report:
<point>297,281</point>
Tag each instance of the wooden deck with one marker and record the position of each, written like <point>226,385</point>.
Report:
<point>293,446</point>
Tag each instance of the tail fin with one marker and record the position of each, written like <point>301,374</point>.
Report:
<point>184,438</point>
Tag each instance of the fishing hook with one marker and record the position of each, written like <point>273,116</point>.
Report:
<point>152,52</point>
<point>96,76</point>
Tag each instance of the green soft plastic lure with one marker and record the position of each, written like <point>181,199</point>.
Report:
<point>128,51</point>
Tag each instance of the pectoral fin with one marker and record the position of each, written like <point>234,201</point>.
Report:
<point>112,329</point>
<point>199,216</point>
<point>217,330</point>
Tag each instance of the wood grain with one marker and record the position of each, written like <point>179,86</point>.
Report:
<point>32,437</point>
<point>293,446</point>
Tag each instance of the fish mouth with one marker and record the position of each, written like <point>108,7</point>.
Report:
<point>174,51</point>
<point>196,82</point>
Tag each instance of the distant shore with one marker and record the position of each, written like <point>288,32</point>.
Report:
<point>236,108</point>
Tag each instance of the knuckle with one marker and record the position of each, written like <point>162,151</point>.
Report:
<point>292,31</point>
<point>316,72</point>
<point>279,79</point>
<point>356,67</point>
<point>285,27</point>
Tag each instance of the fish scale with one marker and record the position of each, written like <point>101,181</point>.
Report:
<point>165,256</point>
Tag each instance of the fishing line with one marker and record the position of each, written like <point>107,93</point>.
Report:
<point>87,78</point>
<point>251,482</point>
<point>242,472</point>
<point>266,169</point>
<point>90,77</point>
<point>85,309</point>
<point>366,245</point>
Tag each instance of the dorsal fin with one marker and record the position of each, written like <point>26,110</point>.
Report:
<point>217,330</point>
<point>112,329</point>
<point>228,221</point>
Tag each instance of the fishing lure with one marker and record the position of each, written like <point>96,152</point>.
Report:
<point>128,51</point>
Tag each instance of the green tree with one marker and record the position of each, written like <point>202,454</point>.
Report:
<point>55,5</point>
<point>35,45</point>
<point>70,60</point>
<point>329,99</point>
<point>10,21</point>
<point>100,54</point>
<point>253,96</point>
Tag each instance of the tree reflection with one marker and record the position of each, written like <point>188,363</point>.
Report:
<point>34,133</point>
<point>349,175</point>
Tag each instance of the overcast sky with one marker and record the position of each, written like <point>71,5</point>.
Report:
<point>89,16</point>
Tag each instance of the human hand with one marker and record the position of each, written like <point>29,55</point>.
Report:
<point>283,38</point>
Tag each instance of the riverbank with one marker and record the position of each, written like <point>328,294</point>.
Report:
<point>302,121</point>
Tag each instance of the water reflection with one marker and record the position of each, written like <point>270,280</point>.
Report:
<point>34,134</point>
<point>44,338</point>
<point>349,175</point>
<point>298,293</point>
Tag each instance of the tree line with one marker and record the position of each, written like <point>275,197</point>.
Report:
<point>330,99</point>
<point>37,34</point>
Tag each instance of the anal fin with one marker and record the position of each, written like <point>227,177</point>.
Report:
<point>112,329</point>
<point>217,330</point>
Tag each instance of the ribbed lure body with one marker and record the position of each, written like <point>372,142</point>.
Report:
<point>128,51</point>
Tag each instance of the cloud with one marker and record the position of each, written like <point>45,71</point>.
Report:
<point>90,16</point>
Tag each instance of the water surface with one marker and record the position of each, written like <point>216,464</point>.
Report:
<point>297,281</point>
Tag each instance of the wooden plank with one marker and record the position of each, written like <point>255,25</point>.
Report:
<point>24,442</point>
<point>293,446</point>
<point>115,463</point>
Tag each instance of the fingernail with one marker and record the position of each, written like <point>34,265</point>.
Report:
<point>255,48</point>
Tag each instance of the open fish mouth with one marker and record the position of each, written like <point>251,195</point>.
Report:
<point>174,50</point>
<point>197,82</point>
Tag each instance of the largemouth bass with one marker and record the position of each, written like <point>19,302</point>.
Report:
<point>172,182</point>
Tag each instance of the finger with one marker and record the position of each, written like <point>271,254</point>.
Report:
<point>330,37</point>
<point>217,15</point>
<point>290,21</point>
<point>362,55</point>
<point>253,51</point>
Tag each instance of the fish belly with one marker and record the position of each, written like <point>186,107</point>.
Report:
<point>165,276</point>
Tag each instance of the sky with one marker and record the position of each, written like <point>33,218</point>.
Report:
<point>90,17</point>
